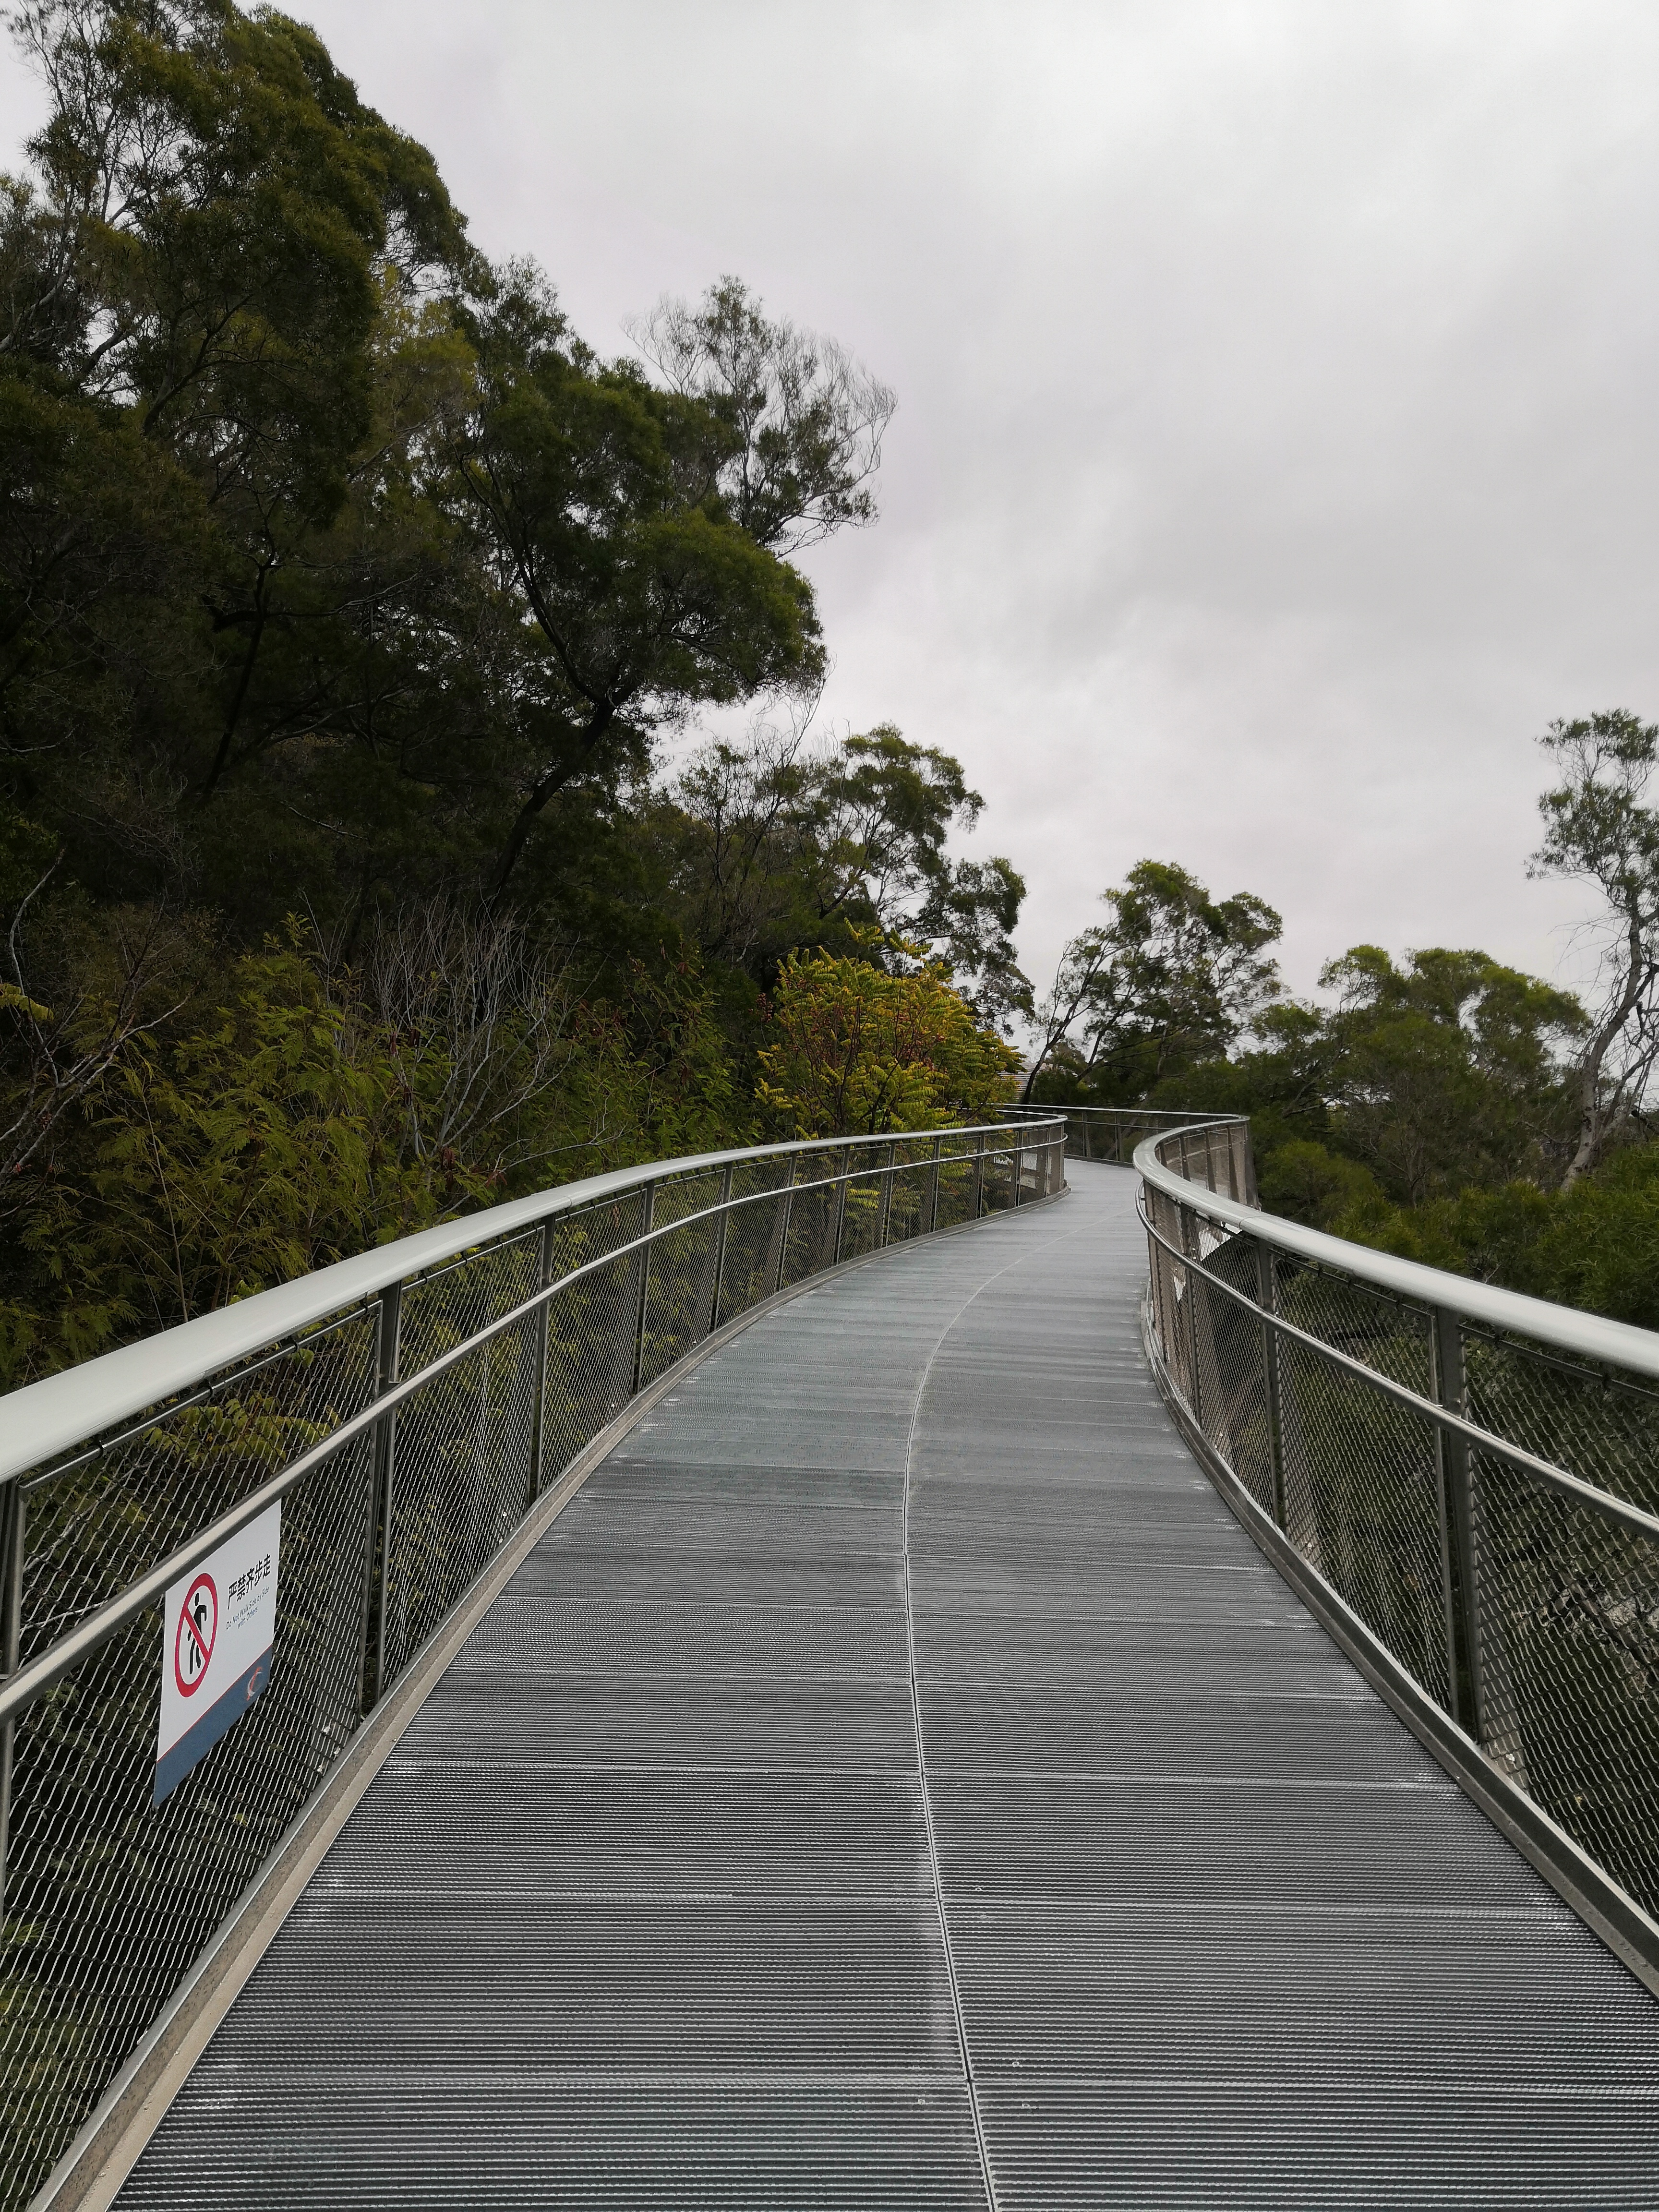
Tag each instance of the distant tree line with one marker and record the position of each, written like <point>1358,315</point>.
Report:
<point>1444,1106</point>
<point>347,597</point>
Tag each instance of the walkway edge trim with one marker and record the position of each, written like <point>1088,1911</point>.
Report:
<point>92,2170</point>
<point>1629,1932</point>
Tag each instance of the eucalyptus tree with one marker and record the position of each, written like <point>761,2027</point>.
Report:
<point>787,841</point>
<point>1168,983</point>
<point>1598,829</point>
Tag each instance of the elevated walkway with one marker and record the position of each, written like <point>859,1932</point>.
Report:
<point>897,1779</point>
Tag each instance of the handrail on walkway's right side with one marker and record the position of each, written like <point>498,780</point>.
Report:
<point>1463,1482</point>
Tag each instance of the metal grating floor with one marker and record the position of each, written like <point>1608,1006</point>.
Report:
<point>643,1911</point>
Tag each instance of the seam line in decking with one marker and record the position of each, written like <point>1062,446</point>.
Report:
<point>921,1752</point>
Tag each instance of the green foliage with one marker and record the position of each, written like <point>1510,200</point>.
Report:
<point>1448,1071</point>
<point>1594,1246</point>
<point>859,1051</point>
<point>301,1125</point>
<point>1305,1180</point>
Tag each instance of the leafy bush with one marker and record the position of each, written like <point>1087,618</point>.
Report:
<point>858,1051</point>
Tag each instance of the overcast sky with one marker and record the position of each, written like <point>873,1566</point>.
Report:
<point>1276,452</point>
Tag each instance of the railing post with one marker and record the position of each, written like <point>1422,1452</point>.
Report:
<point>979,1177</point>
<point>646,1226</point>
<point>719,1251</point>
<point>933,1192</point>
<point>1019,1173</point>
<point>1460,1586</point>
<point>1266,1295</point>
<point>540,1337</point>
<point>1189,1246</point>
<point>376,1563</point>
<point>841,1188</point>
<point>13,1510</point>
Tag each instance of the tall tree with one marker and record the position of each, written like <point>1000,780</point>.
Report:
<point>601,496</point>
<point>1446,1071</point>
<point>806,420</point>
<point>785,842</point>
<point>1169,982</point>
<point>1597,829</point>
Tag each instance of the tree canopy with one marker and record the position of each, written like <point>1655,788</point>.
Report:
<point>347,599</point>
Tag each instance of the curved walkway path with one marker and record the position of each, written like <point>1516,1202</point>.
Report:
<point>896,1780</point>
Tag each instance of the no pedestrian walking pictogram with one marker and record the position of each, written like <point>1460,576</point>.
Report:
<point>219,1641</point>
<point>193,1639</point>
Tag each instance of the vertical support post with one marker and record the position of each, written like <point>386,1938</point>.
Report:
<point>979,1177</point>
<point>646,1223</point>
<point>1189,1242</point>
<point>884,1203</point>
<point>13,1510</point>
<point>719,1251</point>
<point>539,1335</point>
<point>377,1565</point>
<point>1267,1297</point>
<point>1460,1584</point>
<point>1019,1173</point>
<point>933,1189</point>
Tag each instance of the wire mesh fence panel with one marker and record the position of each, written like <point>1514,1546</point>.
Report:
<point>679,1293</point>
<point>753,1235</point>
<point>442,1309</point>
<point>861,1225</point>
<point>1237,1412</point>
<point>911,1187</point>
<point>110,1897</point>
<point>1600,1425</point>
<point>461,1483</point>
<point>1000,1191</point>
<point>590,1359</point>
<point>1362,1505</point>
<point>810,1245</point>
<point>1169,1286</point>
<point>95,1527</point>
<point>956,1190</point>
<point>1380,1332</point>
<point>1568,1660</point>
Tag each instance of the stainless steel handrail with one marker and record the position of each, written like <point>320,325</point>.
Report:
<point>1110,1134</point>
<point>46,1418</point>
<point>1506,1603</point>
<point>1580,1335</point>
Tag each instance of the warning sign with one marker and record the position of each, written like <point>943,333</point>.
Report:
<point>220,1626</point>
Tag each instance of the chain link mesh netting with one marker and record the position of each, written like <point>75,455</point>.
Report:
<point>1530,1614</point>
<point>108,1898</point>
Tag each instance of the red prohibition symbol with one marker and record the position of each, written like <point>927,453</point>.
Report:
<point>192,1641</point>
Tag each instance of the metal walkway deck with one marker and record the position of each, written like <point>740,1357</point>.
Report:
<point>657,1903</point>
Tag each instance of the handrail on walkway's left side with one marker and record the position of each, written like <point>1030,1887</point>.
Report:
<point>394,1419</point>
<point>1463,1482</point>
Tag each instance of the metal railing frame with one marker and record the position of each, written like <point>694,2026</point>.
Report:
<point>1460,1732</point>
<point>1111,1132</point>
<point>62,1424</point>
